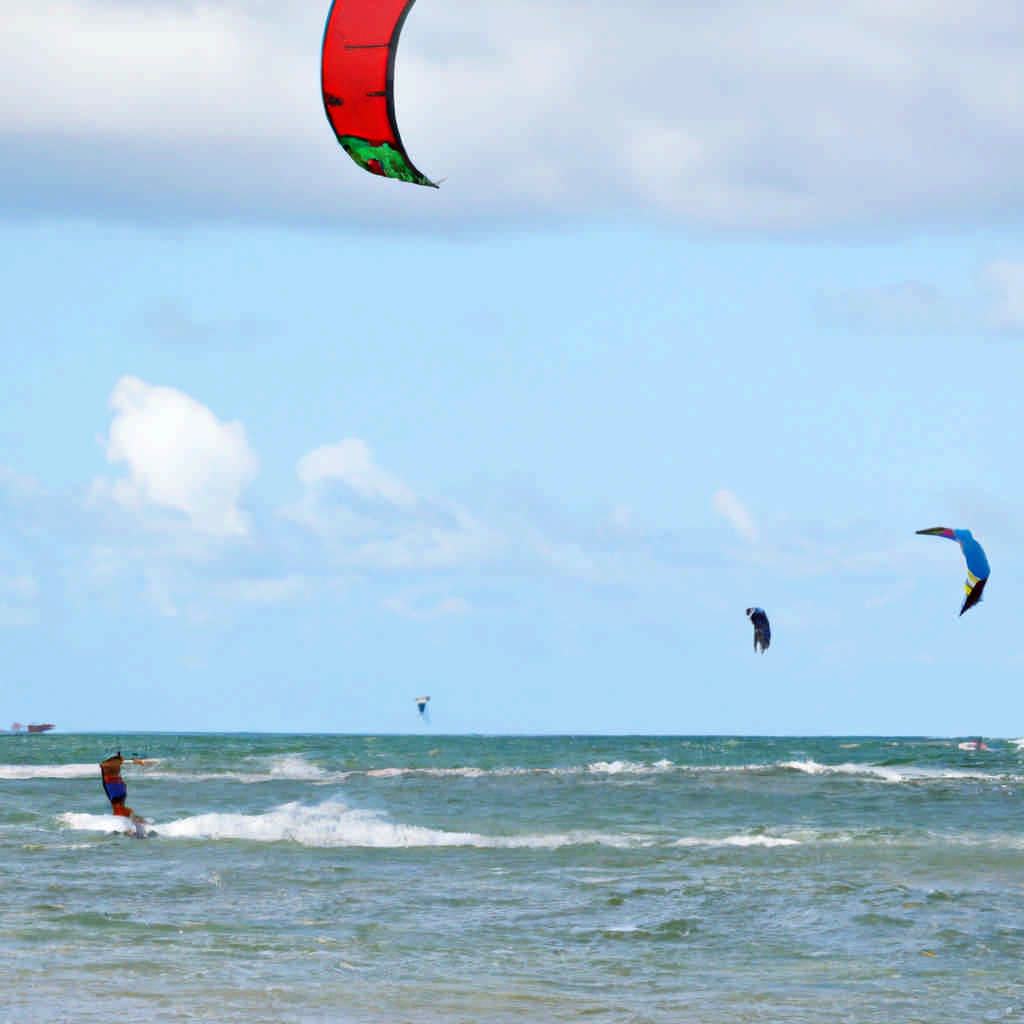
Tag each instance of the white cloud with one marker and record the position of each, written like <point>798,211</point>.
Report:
<point>179,456</point>
<point>22,586</point>
<point>906,306</point>
<point>18,593</point>
<point>418,546</point>
<point>426,609</point>
<point>19,485</point>
<point>375,520</point>
<point>622,517</point>
<point>350,462</point>
<point>13,616</point>
<point>267,591</point>
<point>737,114</point>
<point>1006,279</point>
<point>729,506</point>
<point>159,589</point>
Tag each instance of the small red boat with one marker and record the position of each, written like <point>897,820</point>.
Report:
<point>44,727</point>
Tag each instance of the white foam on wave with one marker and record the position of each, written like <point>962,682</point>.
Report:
<point>438,773</point>
<point>628,767</point>
<point>896,774</point>
<point>285,767</point>
<point>295,766</point>
<point>93,822</point>
<point>738,840</point>
<point>333,823</point>
<point>49,771</point>
<point>882,772</point>
<point>470,772</point>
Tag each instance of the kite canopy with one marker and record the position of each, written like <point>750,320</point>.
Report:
<point>762,631</point>
<point>977,564</point>
<point>421,703</point>
<point>357,71</point>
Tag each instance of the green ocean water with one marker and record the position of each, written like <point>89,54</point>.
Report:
<point>438,878</point>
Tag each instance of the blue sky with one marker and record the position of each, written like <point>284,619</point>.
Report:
<point>286,445</point>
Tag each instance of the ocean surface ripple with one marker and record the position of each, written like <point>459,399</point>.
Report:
<point>427,878</point>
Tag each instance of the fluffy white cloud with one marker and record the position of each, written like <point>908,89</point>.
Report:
<point>179,456</point>
<point>351,463</point>
<point>729,506</point>
<point>740,113</point>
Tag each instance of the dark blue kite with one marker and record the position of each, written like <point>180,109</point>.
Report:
<point>762,631</point>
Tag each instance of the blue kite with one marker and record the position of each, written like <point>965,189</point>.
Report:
<point>977,564</point>
<point>762,631</point>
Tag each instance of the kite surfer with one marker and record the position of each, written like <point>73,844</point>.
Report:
<point>117,791</point>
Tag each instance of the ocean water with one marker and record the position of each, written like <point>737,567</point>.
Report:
<point>437,878</point>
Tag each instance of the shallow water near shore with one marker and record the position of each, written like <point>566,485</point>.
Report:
<point>468,878</point>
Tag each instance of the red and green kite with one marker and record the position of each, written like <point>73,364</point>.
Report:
<point>357,79</point>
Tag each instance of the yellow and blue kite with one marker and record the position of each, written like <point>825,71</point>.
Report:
<point>977,564</point>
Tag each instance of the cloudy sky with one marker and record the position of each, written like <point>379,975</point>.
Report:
<point>716,306</point>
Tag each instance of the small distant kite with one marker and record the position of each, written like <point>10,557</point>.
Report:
<point>762,631</point>
<point>357,80</point>
<point>977,564</point>
<point>421,703</point>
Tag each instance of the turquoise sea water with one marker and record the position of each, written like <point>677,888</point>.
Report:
<point>462,879</point>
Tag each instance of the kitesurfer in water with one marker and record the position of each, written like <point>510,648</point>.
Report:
<point>116,789</point>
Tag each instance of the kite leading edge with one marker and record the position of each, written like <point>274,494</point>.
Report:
<point>977,564</point>
<point>357,71</point>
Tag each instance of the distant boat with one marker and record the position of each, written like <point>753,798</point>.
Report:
<point>44,727</point>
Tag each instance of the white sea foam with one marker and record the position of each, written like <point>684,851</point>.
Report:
<point>882,772</point>
<point>438,773</point>
<point>295,766</point>
<point>49,771</point>
<point>332,823</point>
<point>469,772</point>
<point>738,840</point>
<point>93,822</point>
<point>286,767</point>
<point>768,841</point>
<point>895,773</point>
<point>628,767</point>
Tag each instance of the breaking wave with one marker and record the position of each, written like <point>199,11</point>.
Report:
<point>333,823</point>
